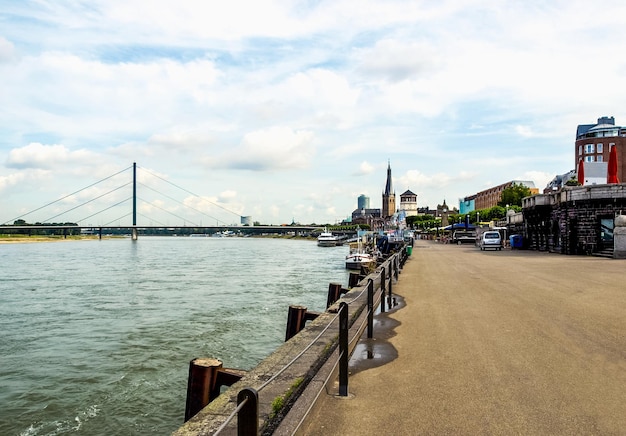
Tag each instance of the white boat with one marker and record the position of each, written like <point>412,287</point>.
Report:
<point>327,239</point>
<point>359,257</point>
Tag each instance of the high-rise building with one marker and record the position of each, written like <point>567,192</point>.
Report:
<point>363,202</point>
<point>389,196</point>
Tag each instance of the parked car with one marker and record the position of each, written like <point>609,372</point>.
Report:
<point>490,239</point>
<point>464,237</point>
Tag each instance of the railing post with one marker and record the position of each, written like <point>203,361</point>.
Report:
<point>397,267</point>
<point>248,416</point>
<point>390,282</point>
<point>343,349</point>
<point>382,290</point>
<point>370,309</point>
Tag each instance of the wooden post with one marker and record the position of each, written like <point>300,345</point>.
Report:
<point>202,378</point>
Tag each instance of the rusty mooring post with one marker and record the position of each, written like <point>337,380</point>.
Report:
<point>354,279</point>
<point>296,319</point>
<point>334,293</point>
<point>201,382</point>
<point>206,377</point>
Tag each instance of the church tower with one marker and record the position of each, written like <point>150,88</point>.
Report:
<point>389,196</point>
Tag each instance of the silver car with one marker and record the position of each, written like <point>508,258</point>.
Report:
<point>490,240</point>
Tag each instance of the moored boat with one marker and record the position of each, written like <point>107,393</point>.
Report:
<point>359,257</point>
<point>327,239</point>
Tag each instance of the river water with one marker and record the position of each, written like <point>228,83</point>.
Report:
<point>96,336</point>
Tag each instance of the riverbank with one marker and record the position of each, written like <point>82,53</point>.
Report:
<point>25,239</point>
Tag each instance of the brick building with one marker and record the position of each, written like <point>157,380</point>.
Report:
<point>490,197</point>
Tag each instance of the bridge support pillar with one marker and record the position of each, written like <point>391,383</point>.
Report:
<point>134,234</point>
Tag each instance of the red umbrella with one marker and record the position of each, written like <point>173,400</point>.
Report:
<point>611,176</point>
<point>581,172</point>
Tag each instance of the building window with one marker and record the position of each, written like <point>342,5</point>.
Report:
<point>599,148</point>
<point>580,149</point>
<point>588,148</point>
<point>588,158</point>
<point>599,158</point>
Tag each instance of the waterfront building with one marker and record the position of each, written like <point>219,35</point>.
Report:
<point>246,220</point>
<point>573,220</point>
<point>490,197</point>
<point>389,196</point>
<point>594,143</point>
<point>363,202</point>
<point>408,203</point>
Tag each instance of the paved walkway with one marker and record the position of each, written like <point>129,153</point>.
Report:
<point>510,342</point>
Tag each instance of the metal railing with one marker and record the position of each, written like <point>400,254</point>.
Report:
<point>247,410</point>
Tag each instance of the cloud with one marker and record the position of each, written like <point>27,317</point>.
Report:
<point>275,148</point>
<point>7,50</point>
<point>365,168</point>
<point>36,155</point>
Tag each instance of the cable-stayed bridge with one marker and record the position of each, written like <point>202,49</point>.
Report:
<point>111,205</point>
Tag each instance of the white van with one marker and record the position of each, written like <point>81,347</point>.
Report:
<point>490,239</point>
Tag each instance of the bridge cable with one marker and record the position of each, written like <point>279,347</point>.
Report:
<point>117,219</point>
<point>68,195</point>
<point>180,202</point>
<point>167,211</point>
<point>189,192</point>
<point>89,201</point>
<point>104,210</point>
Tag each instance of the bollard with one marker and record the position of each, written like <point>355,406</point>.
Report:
<point>201,381</point>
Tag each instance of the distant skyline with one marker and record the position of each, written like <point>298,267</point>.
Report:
<point>289,110</point>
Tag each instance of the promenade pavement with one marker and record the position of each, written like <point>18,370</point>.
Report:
<point>498,342</point>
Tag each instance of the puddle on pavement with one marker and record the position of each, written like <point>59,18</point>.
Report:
<point>371,353</point>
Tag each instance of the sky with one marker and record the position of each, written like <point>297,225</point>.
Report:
<point>287,111</point>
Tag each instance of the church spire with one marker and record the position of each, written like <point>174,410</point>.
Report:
<point>388,186</point>
<point>389,197</point>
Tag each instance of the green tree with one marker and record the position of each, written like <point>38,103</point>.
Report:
<point>512,195</point>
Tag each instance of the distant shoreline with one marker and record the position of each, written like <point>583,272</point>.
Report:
<point>24,239</point>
